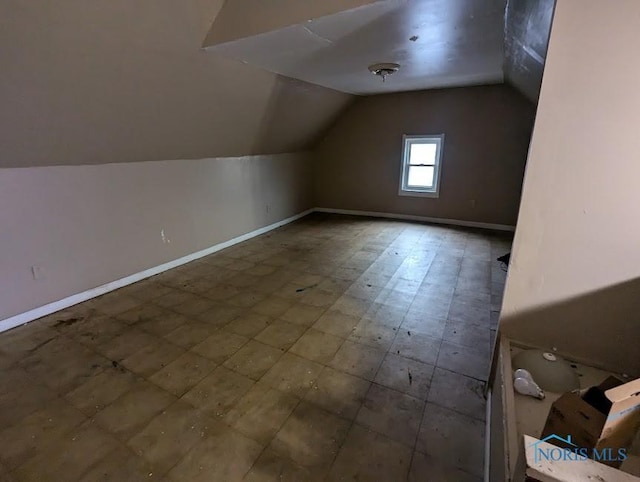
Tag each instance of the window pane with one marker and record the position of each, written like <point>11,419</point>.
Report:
<point>422,154</point>
<point>420,176</point>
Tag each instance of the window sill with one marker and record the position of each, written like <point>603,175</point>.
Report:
<point>432,194</point>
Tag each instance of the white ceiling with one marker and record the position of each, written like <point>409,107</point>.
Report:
<point>460,42</point>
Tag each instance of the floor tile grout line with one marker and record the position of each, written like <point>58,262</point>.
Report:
<point>372,382</point>
<point>424,407</point>
<point>173,287</point>
<point>301,399</point>
<point>353,421</point>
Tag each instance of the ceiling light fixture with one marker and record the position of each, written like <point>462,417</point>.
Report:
<point>384,69</point>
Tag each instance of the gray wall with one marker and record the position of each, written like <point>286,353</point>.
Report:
<point>487,131</point>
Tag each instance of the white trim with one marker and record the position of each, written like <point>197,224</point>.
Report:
<point>41,311</point>
<point>424,219</point>
<point>487,438</point>
<point>47,309</point>
<point>408,192</point>
<point>404,189</point>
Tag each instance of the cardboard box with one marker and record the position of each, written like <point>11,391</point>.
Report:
<point>605,418</point>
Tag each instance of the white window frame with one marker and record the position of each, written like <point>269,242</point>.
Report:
<point>405,189</point>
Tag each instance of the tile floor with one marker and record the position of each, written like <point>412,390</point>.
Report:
<point>334,348</point>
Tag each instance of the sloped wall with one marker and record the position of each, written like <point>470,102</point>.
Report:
<point>96,88</point>
<point>526,37</point>
<point>91,82</point>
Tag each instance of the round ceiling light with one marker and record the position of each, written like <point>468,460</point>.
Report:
<point>384,69</point>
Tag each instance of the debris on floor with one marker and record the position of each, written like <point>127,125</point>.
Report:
<point>67,322</point>
<point>199,345</point>
<point>300,290</point>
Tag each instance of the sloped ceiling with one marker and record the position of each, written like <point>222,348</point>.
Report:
<point>457,42</point>
<point>91,81</point>
<point>527,26</point>
<point>438,43</point>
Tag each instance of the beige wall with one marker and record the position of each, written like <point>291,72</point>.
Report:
<point>90,82</point>
<point>574,281</point>
<point>89,225</point>
<point>487,132</point>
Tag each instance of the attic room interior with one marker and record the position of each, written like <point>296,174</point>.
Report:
<point>254,240</point>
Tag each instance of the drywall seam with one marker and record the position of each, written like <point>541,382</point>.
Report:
<point>426,219</point>
<point>49,308</point>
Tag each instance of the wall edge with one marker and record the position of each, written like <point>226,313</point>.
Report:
<point>49,308</point>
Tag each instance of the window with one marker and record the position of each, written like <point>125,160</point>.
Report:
<point>420,174</point>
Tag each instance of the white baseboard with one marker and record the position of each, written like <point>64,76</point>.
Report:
<point>425,219</point>
<point>41,311</point>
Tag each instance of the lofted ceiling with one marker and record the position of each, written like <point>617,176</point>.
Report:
<point>527,25</point>
<point>89,82</point>
<point>438,43</point>
<point>95,82</point>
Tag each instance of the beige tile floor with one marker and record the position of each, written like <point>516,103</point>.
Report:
<point>334,348</point>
